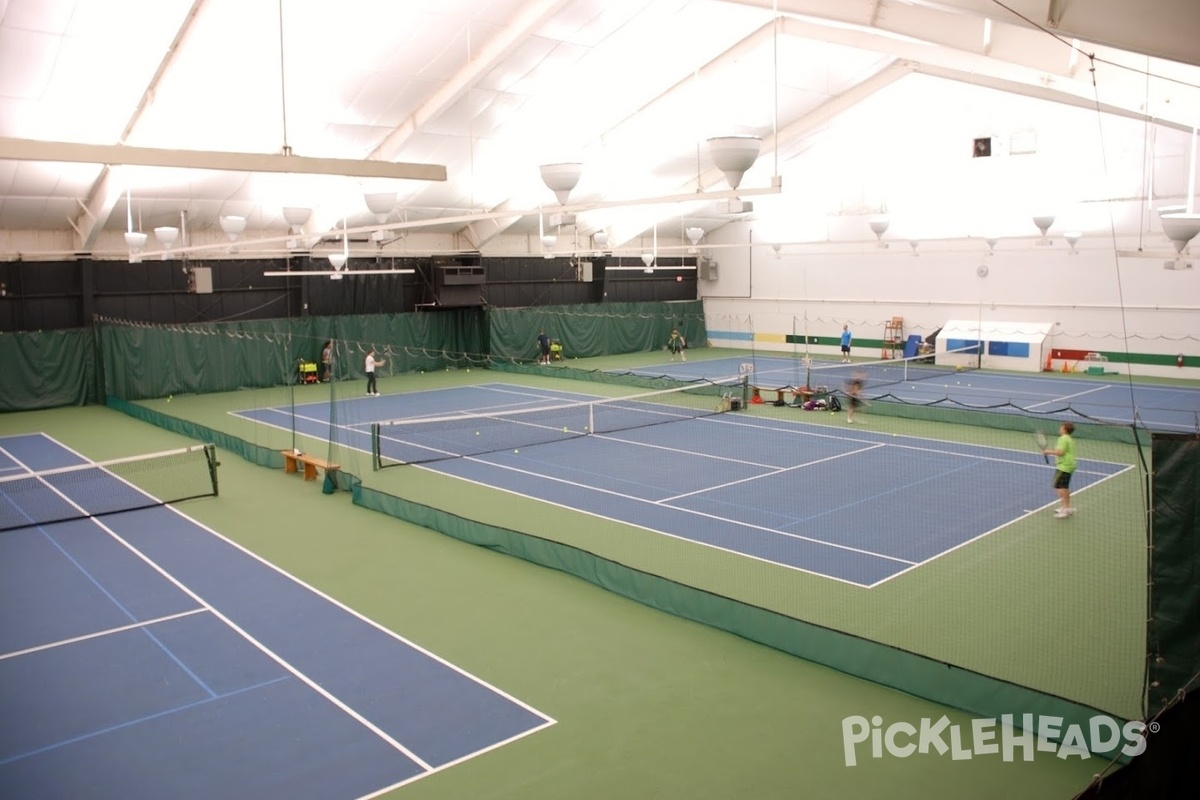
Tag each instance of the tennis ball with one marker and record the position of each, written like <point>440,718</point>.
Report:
<point>170,397</point>
<point>516,451</point>
<point>564,430</point>
<point>476,433</point>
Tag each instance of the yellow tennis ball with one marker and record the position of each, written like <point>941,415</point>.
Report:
<point>476,433</point>
<point>564,430</point>
<point>170,397</point>
<point>516,451</point>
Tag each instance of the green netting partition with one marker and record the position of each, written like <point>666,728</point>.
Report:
<point>889,666</point>
<point>1006,417</point>
<point>1173,657</point>
<point>45,369</point>
<point>594,330</point>
<point>143,361</point>
<point>617,378</point>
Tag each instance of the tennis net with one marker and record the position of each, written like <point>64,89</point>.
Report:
<point>94,490</point>
<point>894,370</point>
<point>426,439</point>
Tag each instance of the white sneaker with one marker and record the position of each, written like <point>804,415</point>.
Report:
<point>1063,513</point>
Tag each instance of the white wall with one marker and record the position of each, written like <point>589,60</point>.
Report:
<point>906,152</point>
<point>1095,300</point>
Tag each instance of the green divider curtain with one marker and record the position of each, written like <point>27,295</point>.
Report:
<point>1174,635</point>
<point>594,330</point>
<point>143,361</point>
<point>45,369</point>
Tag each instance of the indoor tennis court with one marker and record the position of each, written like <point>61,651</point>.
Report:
<point>725,481</point>
<point>145,632</point>
<point>543,399</point>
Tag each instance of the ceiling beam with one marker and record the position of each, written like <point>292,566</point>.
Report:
<point>801,127</point>
<point>1159,28</point>
<point>96,210</point>
<point>76,152</point>
<point>480,232</point>
<point>1053,92</point>
<point>247,245</point>
<point>1021,60</point>
<point>491,54</point>
<point>101,197</point>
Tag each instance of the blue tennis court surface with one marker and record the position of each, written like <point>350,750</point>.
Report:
<point>850,504</point>
<point>143,655</point>
<point>1165,408</point>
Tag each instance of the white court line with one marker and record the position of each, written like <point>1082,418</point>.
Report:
<point>974,539</point>
<point>628,523</point>
<point>773,472</point>
<point>375,729</point>
<point>658,503</point>
<point>807,429</point>
<point>304,678</point>
<point>1069,396</point>
<point>105,632</point>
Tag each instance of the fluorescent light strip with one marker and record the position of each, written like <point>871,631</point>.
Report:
<point>309,273</point>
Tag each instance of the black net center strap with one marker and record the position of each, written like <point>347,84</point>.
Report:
<point>93,490</point>
<point>422,440</point>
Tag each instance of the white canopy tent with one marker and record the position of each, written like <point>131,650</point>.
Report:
<point>1019,346</point>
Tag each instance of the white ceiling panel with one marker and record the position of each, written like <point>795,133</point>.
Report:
<point>26,62</point>
<point>42,16</point>
<point>490,89</point>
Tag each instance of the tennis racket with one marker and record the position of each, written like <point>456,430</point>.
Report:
<point>1042,443</point>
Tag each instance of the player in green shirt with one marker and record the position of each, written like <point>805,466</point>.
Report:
<point>1064,466</point>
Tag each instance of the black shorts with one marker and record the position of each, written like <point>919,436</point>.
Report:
<point>855,402</point>
<point>1062,480</point>
<point>845,348</point>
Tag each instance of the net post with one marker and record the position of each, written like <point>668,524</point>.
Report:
<point>376,454</point>
<point>210,455</point>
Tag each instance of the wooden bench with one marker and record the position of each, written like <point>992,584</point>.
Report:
<point>292,461</point>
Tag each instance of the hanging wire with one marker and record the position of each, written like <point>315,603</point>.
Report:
<point>287,149</point>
